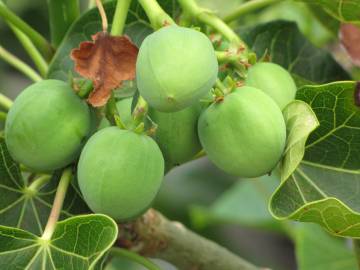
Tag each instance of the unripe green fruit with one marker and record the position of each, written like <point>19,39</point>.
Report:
<point>175,67</point>
<point>244,134</point>
<point>47,125</point>
<point>120,172</point>
<point>274,80</point>
<point>177,134</point>
<point>124,109</point>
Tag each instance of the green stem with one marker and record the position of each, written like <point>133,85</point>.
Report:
<point>248,7</point>
<point>140,110</point>
<point>39,182</point>
<point>57,205</point>
<point>157,16</point>
<point>39,41</point>
<point>210,19</point>
<point>356,247</point>
<point>19,65</point>
<point>30,48</point>
<point>62,13</point>
<point>3,116</point>
<point>85,87</point>
<point>114,251</point>
<point>227,57</point>
<point>5,102</point>
<point>112,113</point>
<point>121,11</point>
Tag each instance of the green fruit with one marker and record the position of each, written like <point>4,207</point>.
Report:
<point>124,108</point>
<point>245,134</point>
<point>120,172</point>
<point>176,134</point>
<point>274,81</point>
<point>47,125</point>
<point>176,66</point>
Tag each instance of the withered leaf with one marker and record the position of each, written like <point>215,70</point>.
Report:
<point>107,61</point>
<point>350,40</point>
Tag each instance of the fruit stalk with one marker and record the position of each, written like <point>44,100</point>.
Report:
<point>205,16</point>
<point>248,7</point>
<point>154,235</point>
<point>39,41</point>
<point>38,183</point>
<point>157,16</point>
<point>19,64</point>
<point>57,205</point>
<point>5,102</point>
<point>133,257</point>
<point>121,11</point>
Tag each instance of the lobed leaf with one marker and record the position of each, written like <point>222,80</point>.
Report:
<point>324,188</point>
<point>29,211</point>
<point>77,243</point>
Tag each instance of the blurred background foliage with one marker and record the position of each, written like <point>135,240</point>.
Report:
<point>231,211</point>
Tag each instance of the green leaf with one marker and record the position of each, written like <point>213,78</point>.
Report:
<point>137,28</point>
<point>343,10</point>
<point>287,47</point>
<point>300,122</point>
<point>30,210</point>
<point>77,243</point>
<point>245,203</point>
<point>317,250</point>
<point>324,188</point>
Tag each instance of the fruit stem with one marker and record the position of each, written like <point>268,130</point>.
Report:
<point>157,16</point>
<point>5,102</point>
<point>84,88</point>
<point>39,41</point>
<point>58,203</point>
<point>19,64</point>
<point>102,13</point>
<point>39,182</point>
<point>3,116</point>
<point>248,7</point>
<point>209,18</point>
<point>121,11</point>
<point>112,113</point>
<point>140,110</point>
<point>114,251</point>
<point>31,50</point>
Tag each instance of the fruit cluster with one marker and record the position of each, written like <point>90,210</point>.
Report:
<point>120,170</point>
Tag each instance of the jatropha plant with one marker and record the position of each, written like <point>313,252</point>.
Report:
<point>113,108</point>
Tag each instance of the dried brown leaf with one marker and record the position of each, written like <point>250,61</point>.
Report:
<point>107,61</point>
<point>350,39</point>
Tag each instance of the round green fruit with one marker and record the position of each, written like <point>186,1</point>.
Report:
<point>120,172</point>
<point>47,126</point>
<point>176,134</point>
<point>244,134</point>
<point>175,67</point>
<point>274,80</point>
